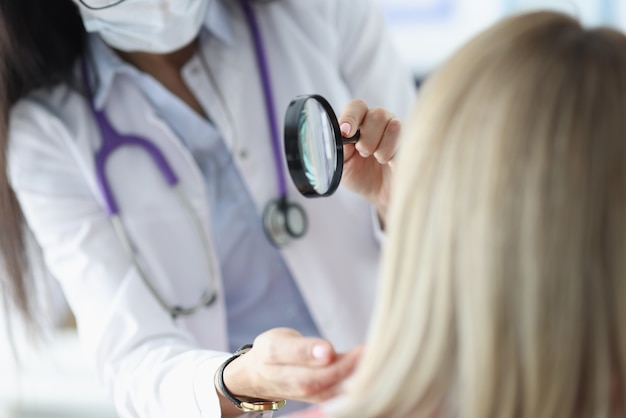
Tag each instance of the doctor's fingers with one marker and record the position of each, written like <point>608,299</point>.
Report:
<point>285,346</point>
<point>380,131</point>
<point>379,128</point>
<point>310,384</point>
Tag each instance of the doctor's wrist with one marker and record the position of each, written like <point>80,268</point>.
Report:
<point>233,381</point>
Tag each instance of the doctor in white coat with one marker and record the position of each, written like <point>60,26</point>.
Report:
<point>191,78</point>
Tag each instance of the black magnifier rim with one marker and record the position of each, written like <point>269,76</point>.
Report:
<point>293,150</point>
<point>85,3</point>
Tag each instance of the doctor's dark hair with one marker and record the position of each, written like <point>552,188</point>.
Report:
<point>40,41</point>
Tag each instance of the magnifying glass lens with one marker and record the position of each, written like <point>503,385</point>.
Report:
<point>317,143</point>
<point>313,146</point>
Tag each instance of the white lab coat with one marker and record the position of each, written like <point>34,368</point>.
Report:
<point>155,366</point>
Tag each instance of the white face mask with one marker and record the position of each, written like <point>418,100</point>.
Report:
<point>155,26</point>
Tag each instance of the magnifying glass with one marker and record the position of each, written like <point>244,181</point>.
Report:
<point>314,145</point>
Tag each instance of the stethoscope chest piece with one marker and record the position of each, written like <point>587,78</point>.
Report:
<point>283,221</point>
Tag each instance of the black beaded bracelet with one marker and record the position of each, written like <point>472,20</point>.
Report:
<point>254,406</point>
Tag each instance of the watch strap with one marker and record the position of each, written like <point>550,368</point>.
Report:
<point>245,406</point>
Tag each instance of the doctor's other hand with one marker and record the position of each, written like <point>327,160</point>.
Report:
<point>283,364</point>
<point>367,164</point>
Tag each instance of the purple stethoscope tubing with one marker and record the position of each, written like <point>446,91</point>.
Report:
<point>267,94</point>
<point>278,213</point>
<point>112,141</point>
<point>282,220</point>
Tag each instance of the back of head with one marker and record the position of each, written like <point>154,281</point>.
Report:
<point>504,276</point>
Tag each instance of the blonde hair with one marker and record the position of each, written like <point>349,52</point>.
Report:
<point>504,278</point>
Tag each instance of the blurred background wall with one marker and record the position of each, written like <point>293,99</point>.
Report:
<point>427,31</point>
<point>55,380</point>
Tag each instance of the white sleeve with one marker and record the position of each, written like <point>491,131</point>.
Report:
<point>152,367</point>
<point>371,63</point>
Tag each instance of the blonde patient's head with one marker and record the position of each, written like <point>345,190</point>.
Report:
<point>504,278</point>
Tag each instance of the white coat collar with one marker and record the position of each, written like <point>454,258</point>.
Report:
<point>108,65</point>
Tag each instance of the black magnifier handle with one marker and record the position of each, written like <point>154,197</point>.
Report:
<point>353,139</point>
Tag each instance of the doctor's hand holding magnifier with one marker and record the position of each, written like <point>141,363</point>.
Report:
<point>357,149</point>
